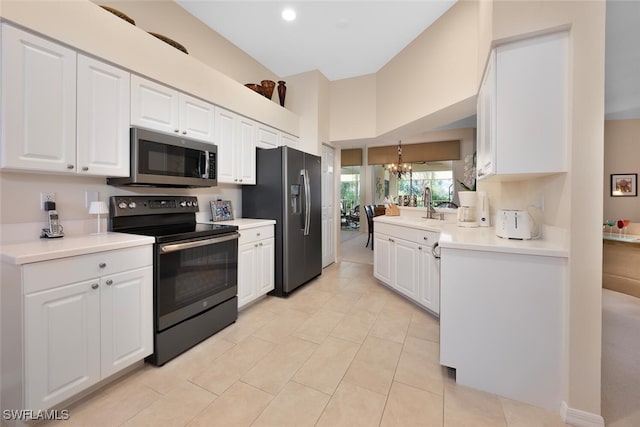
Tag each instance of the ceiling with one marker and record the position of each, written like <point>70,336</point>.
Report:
<point>345,39</point>
<point>341,39</point>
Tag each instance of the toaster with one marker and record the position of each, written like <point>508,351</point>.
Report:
<point>512,224</point>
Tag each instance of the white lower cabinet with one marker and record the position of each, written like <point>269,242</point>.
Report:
<point>256,263</point>
<point>84,319</point>
<point>502,324</point>
<point>403,260</point>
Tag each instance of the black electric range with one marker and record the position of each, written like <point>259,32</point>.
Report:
<point>195,269</point>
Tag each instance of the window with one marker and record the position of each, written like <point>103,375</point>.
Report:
<point>349,188</point>
<point>438,176</point>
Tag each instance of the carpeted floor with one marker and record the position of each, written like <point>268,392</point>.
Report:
<point>620,359</point>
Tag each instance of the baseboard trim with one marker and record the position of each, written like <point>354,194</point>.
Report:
<point>579,418</point>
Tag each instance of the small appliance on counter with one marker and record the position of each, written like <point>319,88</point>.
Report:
<point>55,228</point>
<point>513,224</point>
<point>467,211</point>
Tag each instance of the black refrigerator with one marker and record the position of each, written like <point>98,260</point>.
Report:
<point>288,190</point>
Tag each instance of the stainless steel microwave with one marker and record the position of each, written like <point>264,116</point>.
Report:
<point>162,160</point>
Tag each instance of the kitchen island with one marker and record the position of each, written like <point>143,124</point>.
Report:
<point>501,307</point>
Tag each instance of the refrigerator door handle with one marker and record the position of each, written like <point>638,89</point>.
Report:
<point>307,202</point>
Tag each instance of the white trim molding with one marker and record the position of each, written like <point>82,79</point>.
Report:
<point>579,418</point>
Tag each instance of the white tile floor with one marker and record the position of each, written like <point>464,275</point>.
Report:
<point>342,350</point>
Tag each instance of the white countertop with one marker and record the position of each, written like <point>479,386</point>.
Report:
<point>245,223</point>
<point>483,238</point>
<point>47,249</point>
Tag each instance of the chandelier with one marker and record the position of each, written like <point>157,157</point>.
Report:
<point>401,168</point>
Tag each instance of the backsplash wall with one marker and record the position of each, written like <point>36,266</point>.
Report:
<point>20,196</point>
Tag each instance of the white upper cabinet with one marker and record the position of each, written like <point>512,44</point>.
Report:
<point>246,151</point>
<point>62,112</point>
<point>197,118</point>
<point>236,141</point>
<point>38,103</point>
<point>103,118</point>
<point>267,137</point>
<point>289,141</point>
<point>158,107</point>
<point>523,109</point>
<point>154,106</point>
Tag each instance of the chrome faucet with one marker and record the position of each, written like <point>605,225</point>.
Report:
<point>426,196</point>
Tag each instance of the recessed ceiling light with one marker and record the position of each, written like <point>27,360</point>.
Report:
<point>288,14</point>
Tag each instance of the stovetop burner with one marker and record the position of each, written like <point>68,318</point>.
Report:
<point>167,218</point>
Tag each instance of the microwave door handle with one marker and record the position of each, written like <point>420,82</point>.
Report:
<point>204,164</point>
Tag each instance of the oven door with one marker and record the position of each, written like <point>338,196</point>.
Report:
<point>194,276</point>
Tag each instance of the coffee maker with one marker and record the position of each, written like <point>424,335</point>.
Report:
<point>468,211</point>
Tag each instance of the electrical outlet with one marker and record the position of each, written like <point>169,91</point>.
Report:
<point>46,197</point>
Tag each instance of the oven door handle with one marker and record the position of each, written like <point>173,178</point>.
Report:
<point>173,247</point>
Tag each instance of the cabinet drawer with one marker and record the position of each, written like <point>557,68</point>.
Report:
<point>40,276</point>
<point>258,233</point>
<point>421,237</point>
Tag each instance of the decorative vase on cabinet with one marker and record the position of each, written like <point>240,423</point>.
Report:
<point>267,88</point>
<point>282,91</point>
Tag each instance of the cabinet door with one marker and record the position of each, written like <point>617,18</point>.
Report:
<point>532,105</point>
<point>429,280</point>
<point>267,137</point>
<point>246,144</point>
<point>126,311</point>
<point>197,118</point>
<point>405,255</point>
<point>266,271</point>
<point>39,103</point>
<point>62,343</point>
<point>289,141</point>
<point>382,263</point>
<point>154,106</point>
<point>486,116</point>
<point>247,272</point>
<point>226,133</point>
<point>103,118</point>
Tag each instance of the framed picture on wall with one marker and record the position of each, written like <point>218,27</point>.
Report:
<point>221,210</point>
<point>624,185</point>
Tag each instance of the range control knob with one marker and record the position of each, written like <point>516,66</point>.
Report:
<point>132,205</point>
<point>122,205</point>
<point>195,203</point>
<point>183,203</point>
<point>189,204</point>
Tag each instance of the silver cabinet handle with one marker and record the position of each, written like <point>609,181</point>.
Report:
<point>391,240</point>
<point>235,180</point>
<point>85,168</point>
<point>70,166</point>
<point>434,252</point>
<point>102,265</point>
<point>176,130</point>
<point>240,180</point>
<point>255,246</point>
<point>425,238</point>
<point>184,132</point>
<point>419,248</point>
<point>260,244</point>
<point>257,234</point>
<point>94,286</point>
<point>109,282</point>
